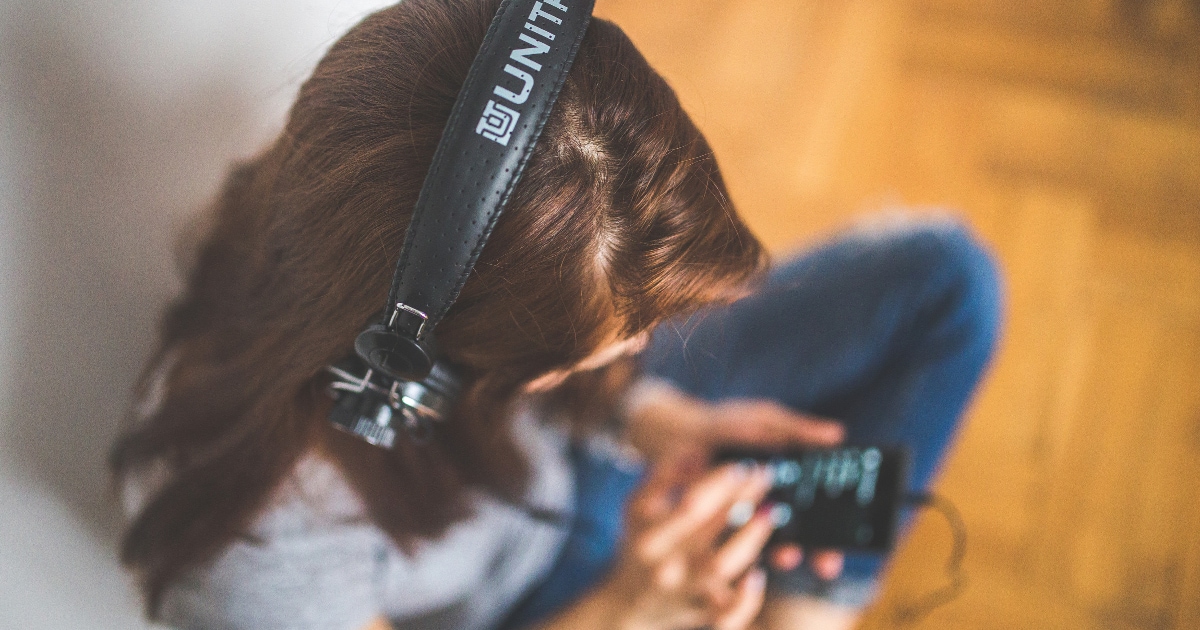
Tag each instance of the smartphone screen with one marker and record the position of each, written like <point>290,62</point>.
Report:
<point>843,498</point>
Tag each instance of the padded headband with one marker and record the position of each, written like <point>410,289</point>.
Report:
<point>497,118</point>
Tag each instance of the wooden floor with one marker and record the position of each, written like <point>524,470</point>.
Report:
<point>1067,132</point>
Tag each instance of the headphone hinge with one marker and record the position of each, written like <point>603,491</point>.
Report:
<point>410,315</point>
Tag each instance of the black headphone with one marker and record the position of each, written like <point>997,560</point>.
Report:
<point>492,130</point>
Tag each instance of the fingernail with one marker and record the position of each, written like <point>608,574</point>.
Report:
<point>827,567</point>
<point>787,558</point>
<point>757,579</point>
<point>779,514</point>
<point>766,474</point>
<point>743,469</point>
<point>741,513</point>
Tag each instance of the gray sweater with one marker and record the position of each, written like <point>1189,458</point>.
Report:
<point>322,564</point>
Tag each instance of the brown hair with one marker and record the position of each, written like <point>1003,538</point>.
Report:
<point>621,220</point>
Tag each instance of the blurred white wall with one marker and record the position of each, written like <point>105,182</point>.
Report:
<point>118,119</point>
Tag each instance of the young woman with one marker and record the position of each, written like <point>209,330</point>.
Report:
<point>250,511</point>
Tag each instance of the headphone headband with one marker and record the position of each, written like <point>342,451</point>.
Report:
<point>492,130</point>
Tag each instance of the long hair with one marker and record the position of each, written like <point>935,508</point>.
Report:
<point>620,221</point>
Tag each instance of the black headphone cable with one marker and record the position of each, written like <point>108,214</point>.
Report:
<point>915,611</point>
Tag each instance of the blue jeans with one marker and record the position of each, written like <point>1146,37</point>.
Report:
<point>886,330</point>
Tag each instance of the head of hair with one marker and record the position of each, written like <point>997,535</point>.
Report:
<point>620,222</point>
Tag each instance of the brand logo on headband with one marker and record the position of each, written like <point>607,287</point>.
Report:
<point>499,120</point>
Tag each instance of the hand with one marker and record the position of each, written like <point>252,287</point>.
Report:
<point>668,418</point>
<point>662,418</point>
<point>764,423</point>
<point>675,572</point>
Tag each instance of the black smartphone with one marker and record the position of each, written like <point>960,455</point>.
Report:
<point>846,498</point>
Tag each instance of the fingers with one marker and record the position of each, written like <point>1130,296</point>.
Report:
<point>748,600</point>
<point>656,497</point>
<point>767,423</point>
<point>827,565</point>
<point>809,430</point>
<point>741,550</point>
<point>749,497</point>
<point>672,573</point>
<point>703,502</point>
<point>786,557</point>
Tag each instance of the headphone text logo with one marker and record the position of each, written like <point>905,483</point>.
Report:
<point>497,122</point>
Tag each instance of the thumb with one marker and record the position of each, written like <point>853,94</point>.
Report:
<point>768,423</point>
<point>813,430</point>
<point>657,495</point>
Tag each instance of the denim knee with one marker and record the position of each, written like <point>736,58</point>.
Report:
<point>949,284</point>
<point>959,275</point>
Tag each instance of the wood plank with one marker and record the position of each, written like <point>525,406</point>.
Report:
<point>1160,80</point>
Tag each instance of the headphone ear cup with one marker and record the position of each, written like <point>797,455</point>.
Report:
<point>392,354</point>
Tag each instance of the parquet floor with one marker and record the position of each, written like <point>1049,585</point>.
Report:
<point>1067,132</point>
